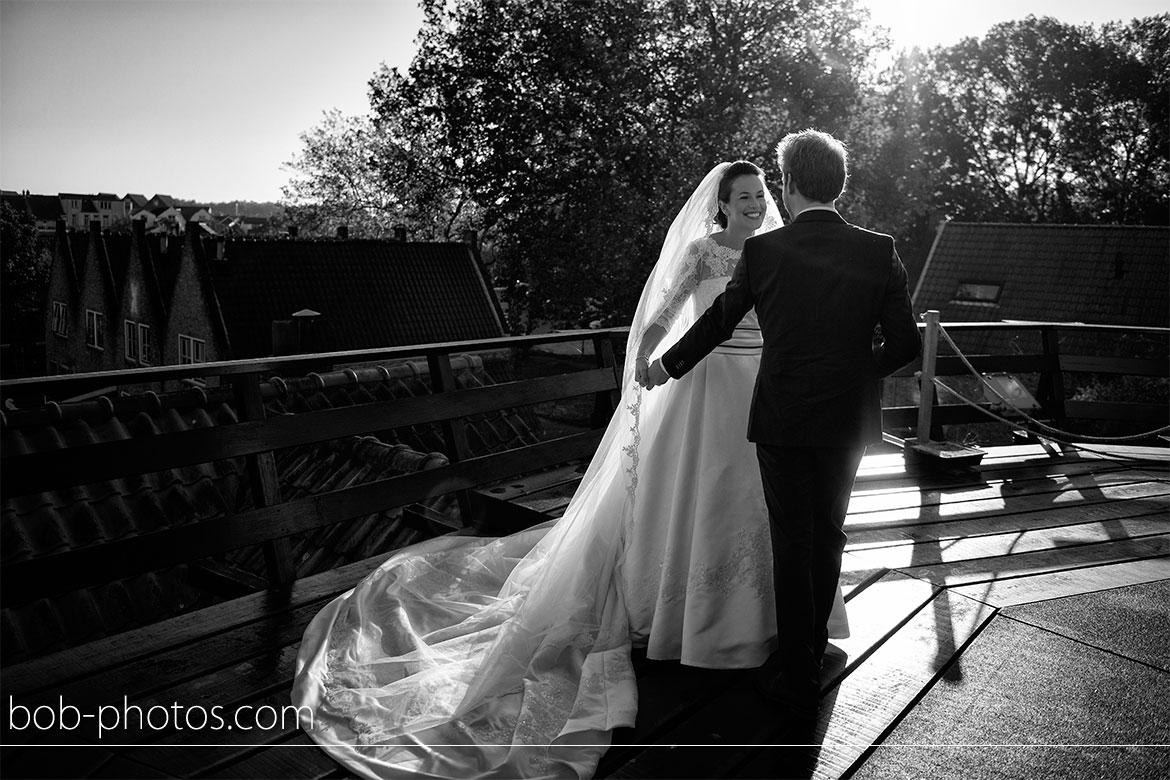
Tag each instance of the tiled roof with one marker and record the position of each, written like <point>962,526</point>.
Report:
<point>70,518</point>
<point>45,206</point>
<point>166,263</point>
<point>42,207</point>
<point>370,293</point>
<point>1098,274</point>
<point>117,248</point>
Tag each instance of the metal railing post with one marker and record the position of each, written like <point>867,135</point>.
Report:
<point>926,378</point>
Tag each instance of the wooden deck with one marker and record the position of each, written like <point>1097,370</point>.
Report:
<point>932,558</point>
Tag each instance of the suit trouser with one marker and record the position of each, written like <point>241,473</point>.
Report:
<point>807,492</point>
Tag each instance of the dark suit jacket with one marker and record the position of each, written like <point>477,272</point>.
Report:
<point>819,286</point>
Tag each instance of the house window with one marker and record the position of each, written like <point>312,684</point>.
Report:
<point>132,351</point>
<point>60,318</point>
<point>95,329</point>
<point>145,345</point>
<point>191,350</point>
<point>977,292</point>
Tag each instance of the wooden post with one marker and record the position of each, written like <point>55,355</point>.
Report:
<point>607,401</point>
<point>265,481</point>
<point>926,378</point>
<point>941,454</point>
<point>454,431</point>
<point>1051,389</point>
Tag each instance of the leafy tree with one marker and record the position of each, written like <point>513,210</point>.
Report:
<point>1121,148</point>
<point>1043,121</point>
<point>26,264</point>
<point>576,129</point>
<point>335,182</point>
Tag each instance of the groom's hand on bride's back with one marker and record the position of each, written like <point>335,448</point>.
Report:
<point>654,376</point>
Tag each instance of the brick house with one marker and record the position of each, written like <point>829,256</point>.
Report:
<point>201,297</point>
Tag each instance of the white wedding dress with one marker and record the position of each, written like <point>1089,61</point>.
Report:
<point>470,657</point>
<point>698,565</point>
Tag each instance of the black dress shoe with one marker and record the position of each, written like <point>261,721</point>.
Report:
<point>797,701</point>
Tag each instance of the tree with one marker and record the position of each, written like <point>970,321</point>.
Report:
<point>334,182</point>
<point>576,129</point>
<point>26,264</point>
<point>1040,121</point>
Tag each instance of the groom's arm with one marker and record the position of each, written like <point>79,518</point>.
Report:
<point>715,325</point>
<point>900,342</point>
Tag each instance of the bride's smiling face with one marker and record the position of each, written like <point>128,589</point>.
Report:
<point>745,207</point>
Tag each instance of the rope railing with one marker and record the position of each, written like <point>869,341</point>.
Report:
<point>995,391</point>
<point>934,330</point>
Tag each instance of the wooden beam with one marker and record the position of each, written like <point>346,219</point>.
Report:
<point>23,580</point>
<point>26,473</point>
<point>265,483</point>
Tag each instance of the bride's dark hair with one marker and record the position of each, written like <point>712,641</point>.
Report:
<point>734,171</point>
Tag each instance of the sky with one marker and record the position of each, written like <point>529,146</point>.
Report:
<point>206,99</point>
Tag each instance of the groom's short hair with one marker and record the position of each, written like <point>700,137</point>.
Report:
<point>817,162</point>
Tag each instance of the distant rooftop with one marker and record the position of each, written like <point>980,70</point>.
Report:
<point>1098,274</point>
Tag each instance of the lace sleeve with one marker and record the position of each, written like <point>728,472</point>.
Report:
<point>677,290</point>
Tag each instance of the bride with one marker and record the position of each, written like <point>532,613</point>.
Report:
<point>471,657</point>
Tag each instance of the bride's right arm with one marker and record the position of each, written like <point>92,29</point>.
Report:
<point>681,288</point>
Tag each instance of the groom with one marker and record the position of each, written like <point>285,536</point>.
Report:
<point>820,286</point>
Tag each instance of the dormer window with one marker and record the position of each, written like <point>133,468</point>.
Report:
<point>95,329</point>
<point>132,348</point>
<point>977,292</point>
<point>145,345</point>
<point>60,318</point>
<point>192,350</point>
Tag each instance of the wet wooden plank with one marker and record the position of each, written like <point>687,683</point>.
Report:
<point>954,548</point>
<point>122,768</point>
<point>54,762</point>
<point>1075,582</point>
<point>300,758</point>
<point>887,497</point>
<point>192,753</point>
<point>733,717</point>
<point>873,699</point>
<point>864,537</point>
<point>1030,564</point>
<point>869,697</point>
<point>908,508</point>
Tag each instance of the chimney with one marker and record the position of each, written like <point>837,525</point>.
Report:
<point>292,231</point>
<point>139,227</point>
<point>343,232</point>
<point>219,247</point>
<point>400,233</point>
<point>469,237</point>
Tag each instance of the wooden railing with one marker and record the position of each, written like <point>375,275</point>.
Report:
<point>1050,363</point>
<point>255,438</point>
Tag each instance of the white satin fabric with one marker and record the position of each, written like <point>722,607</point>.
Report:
<point>698,564</point>
<point>466,657</point>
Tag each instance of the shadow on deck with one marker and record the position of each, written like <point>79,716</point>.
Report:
<point>1003,619</point>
